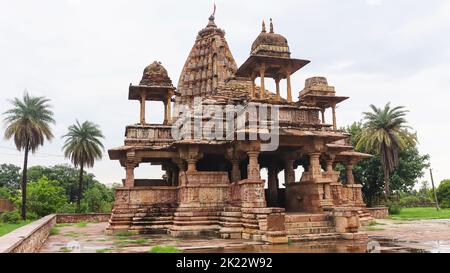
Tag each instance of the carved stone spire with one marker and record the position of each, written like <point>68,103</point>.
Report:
<point>263,26</point>
<point>271,26</point>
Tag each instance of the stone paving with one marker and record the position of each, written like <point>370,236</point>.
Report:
<point>384,236</point>
<point>416,236</point>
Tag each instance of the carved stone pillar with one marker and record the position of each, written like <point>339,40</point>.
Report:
<point>323,115</point>
<point>289,89</point>
<point>166,120</point>
<point>253,87</point>
<point>192,165</point>
<point>349,173</point>
<point>262,71</point>
<point>235,171</point>
<point>277,84</point>
<point>253,169</point>
<point>273,186</point>
<point>333,108</point>
<point>289,173</point>
<point>129,178</point>
<point>169,110</point>
<point>329,164</point>
<point>142,114</point>
<point>315,169</point>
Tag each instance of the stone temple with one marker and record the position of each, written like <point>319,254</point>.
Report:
<point>212,185</point>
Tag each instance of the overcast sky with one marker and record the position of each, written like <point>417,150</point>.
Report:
<point>83,55</point>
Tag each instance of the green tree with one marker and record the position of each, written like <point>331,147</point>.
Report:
<point>66,175</point>
<point>28,123</point>
<point>369,172</point>
<point>443,193</point>
<point>83,146</point>
<point>385,133</point>
<point>10,176</point>
<point>45,197</point>
<point>98,198</point>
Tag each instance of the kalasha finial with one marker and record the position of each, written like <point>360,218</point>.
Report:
<point>263,26</point>
<point>271,26</point>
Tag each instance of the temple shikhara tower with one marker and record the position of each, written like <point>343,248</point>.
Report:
<point>221,127</point>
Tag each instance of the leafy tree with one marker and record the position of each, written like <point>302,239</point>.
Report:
<point>369,172</point>
<point>98,198</point>
<point>385,132</point>
<point>83,146</point>
<point>45,197</point>
<point>28,123</point>
<point>66,175</point>
<point>443,193</point>
<point>10,176</point>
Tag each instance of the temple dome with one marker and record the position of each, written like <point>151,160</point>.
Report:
<point>155,75</point>
<point>270,44</point>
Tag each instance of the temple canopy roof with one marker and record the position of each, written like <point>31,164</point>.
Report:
<point>155,84</point>
<point>209,64</point>
<point>270,44</point>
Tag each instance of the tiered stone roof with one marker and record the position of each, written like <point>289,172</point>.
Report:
<point>209,64</point>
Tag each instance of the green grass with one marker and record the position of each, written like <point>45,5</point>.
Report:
<point>81,224</point>
<point>374,229</point>
<point>63,225</point>
<point>104,250</point>
<point>74,234</point>
<point>125,241</point>
<point>421,214</point>
<point>65,250</point>
<point>375,223</point>
<point>164,249</point>
<point>7,228</point>
<point>54,231</point>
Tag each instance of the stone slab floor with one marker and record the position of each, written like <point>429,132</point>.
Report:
<point>384,236</point>
<point>414,236</point>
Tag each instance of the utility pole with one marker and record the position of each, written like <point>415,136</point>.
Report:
<point>434,190</point>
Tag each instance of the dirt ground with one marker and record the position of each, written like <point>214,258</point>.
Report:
<point>384,236</point>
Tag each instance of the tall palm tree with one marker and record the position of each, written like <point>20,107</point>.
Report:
<point>83,146</point>
<point>28,122</point>
<point>386,132</point>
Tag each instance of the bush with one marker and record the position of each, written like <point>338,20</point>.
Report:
<point>12,217</point>
<point>45,197</point>
<point>394,208</point>
<point>412,201</point>
<point>443,194</point>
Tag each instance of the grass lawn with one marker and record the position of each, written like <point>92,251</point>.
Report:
<point>7,228</point>
<point>421,213</point>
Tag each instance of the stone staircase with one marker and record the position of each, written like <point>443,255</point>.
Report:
<point>364,217</point>
<point>305,227</point>
<point>153,220</point>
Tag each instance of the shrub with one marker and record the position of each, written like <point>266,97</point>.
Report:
<point>394,208</point>
<point>412,201</point>
<point>164,249</point>
<point>443,194</point>
<point>12,217</point>
<point>45,197</point>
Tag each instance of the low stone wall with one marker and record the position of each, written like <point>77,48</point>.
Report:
<point>379,213</point>
<point>29,238</point>
<point>86,217</point>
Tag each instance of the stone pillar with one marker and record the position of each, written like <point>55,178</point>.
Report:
<point>273,187</point>
<point>235,171</point>
<point>277,83</point>
<point>166,120</point>
<point>323,115</point>
<point>262,71</point>
<point>289,173</point>
<point>333,108</point>
<point>192,165</point>
<point>288,82</point>
<point>349,173</point>
<point>253,87</point>
<point>142,115</point>
<point>169,110</point>
<point>253,171</point>
<point>314,165</point>
<point>329,163</point>
<point>129,179</point>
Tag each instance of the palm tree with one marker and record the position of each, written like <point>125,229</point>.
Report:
<point>386,132</point>
<point>28,121</point>
<point>83,146</point>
